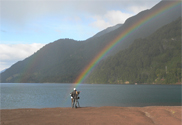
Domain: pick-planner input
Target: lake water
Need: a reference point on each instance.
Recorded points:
(37, 95)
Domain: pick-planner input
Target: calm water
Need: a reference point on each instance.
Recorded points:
(18, 95)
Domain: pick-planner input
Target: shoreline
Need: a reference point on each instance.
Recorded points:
(99, 83)
(92, 107)
(149, 115)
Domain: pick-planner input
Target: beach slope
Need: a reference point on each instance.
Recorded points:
(152, 115)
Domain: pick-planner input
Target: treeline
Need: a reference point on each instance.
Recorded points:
(155, 59)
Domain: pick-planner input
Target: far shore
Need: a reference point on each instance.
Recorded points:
(150, 115)
(108, 83)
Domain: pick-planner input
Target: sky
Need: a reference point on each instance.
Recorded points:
(28, 25)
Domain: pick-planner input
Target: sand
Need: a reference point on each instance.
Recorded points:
(154, 115)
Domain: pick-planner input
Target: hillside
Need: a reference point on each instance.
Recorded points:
(154, 59)
(63, 60)
(107, 30)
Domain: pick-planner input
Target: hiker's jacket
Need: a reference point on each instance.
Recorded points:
(73, 94)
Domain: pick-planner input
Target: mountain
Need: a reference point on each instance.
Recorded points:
(144, 30)
(154, 59)
(107, 30)
(2, 70)
(64, 59)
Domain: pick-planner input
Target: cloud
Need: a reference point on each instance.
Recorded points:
(4, 31)
(25, 16)
(23, 11)
(137, 9)
(11, 53)
(100, 23)
(111, 18)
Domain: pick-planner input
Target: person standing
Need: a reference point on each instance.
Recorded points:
(73, 98)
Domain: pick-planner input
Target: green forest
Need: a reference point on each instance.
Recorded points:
(155, 59)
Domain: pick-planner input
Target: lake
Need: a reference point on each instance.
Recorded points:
(39, 95)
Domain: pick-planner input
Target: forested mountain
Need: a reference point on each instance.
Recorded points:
(107, 30)
(154, 59)
(63, 60)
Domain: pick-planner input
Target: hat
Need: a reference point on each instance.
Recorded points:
(74, 89)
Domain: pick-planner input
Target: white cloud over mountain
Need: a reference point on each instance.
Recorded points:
(110, 18)
(11, 53)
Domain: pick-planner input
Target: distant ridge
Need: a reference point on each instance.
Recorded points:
(107, 30)
(2, 71)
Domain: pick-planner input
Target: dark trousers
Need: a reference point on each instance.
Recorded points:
(75, 103)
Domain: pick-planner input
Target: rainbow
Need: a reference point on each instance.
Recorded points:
(121, 37)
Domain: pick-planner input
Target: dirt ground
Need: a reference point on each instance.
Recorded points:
(154, 115)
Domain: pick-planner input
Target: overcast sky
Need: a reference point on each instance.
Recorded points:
(27, 25)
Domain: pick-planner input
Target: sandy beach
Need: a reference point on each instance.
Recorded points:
(154, 115)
